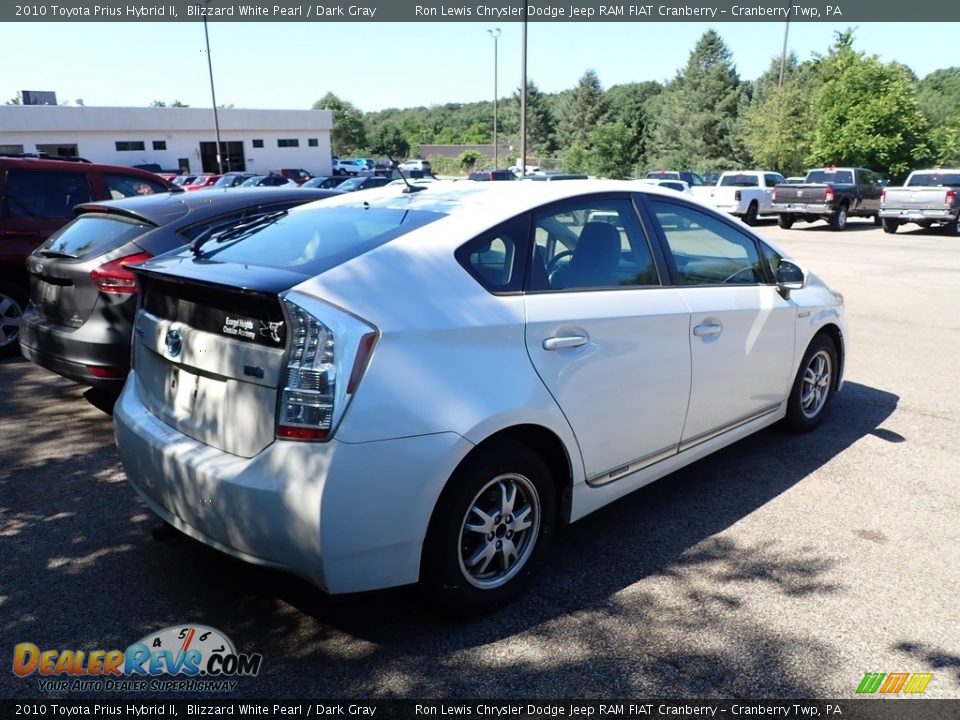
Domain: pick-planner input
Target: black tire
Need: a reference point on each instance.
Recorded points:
(890, 225)
(838, 221)
(877, 220)
(785, 220)
(751, 217)
(814, 385)
(478, 496)
(953, 227)
(13, 301)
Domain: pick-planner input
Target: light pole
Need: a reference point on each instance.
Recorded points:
(783, 53)
(523, 96)
(213, 94)
(495, 33)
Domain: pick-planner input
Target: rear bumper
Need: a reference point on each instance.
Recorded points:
(804, 209)
(72, 352)
(918, 214)
(346, 517)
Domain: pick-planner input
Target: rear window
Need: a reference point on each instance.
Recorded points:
(830, 176)
(92, 235)
(934, 180)
(739, 181)
(315, 240)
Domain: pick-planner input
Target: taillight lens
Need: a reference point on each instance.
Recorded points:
(115, 277)
(883, 196)
(736, 196)
(773, 195)
(950, 197)
(325, 363)
(828, 196)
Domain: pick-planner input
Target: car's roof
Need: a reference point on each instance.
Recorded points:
(164, 208)
(491, 201)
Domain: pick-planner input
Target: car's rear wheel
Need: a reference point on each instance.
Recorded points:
(785, 220)
(13, 300)
(953, 228)
(838, 221)
(814, 385)
(890, 225)
(751, 216)
(490, 529)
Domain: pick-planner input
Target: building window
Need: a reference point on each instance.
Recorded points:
(11, 149)
(128, 145)
(258, 143)
(313, 142)
(288, 142)
(159, 144)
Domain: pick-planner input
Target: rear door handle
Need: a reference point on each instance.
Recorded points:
(566, 341)
(708, 329)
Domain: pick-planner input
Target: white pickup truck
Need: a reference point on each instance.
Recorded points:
(745, 193)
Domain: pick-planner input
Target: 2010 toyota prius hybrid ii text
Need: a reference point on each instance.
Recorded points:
(422, 386)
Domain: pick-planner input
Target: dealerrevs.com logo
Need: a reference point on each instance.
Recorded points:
(179, 658)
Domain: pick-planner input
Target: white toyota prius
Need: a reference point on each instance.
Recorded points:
(394, 387)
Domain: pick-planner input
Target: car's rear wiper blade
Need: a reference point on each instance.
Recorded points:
(236, 231)
(57, 254)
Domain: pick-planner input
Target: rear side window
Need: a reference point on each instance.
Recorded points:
(121, 186)
(92, 235)
(314, 240)
(495, 258)
(45, 194)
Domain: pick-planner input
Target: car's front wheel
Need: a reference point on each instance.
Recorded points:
(490, 529)
(814, 385)
(12, 302)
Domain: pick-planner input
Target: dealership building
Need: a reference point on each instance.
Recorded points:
(176, 138)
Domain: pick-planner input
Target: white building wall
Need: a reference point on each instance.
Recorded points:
(96, 130)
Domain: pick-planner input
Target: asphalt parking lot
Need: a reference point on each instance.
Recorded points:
(784, 566)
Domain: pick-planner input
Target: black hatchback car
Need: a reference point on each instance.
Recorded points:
(82, 291)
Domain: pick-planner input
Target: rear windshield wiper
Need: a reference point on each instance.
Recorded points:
(236, 231)
(48, 253)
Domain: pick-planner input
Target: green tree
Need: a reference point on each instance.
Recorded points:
(349, 131)
(541, 123)
(612, 151)
(468, 159)
(586, 107)
(696, 114)
(387, 139)
(776, 130)
(866, 113)
(177, 103)
(938, 96)
(630, 106)
(158, 103)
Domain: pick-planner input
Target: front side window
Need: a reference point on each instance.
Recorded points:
(590, 243)
(705, 250)
(121, 186)
(45, 194)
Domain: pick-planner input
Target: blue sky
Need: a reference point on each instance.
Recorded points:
(289, 65)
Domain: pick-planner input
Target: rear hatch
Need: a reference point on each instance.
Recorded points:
(209, 356)
(65, 270)
(915, 198)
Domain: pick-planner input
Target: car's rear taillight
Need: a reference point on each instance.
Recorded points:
(325, 363)
(828, 195)
(116, 277)
(883, 196)
(773, 195)
(950, 197)
(736, 195)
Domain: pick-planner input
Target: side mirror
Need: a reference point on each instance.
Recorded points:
(790, 276)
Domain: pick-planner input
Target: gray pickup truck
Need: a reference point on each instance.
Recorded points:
(928, 198)
(832, 194)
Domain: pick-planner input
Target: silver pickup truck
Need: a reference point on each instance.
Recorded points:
(928, 198)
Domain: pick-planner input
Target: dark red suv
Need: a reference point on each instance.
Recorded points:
(37, 198)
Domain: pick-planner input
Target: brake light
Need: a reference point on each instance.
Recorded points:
(950, 197)
(105, 373)
(883, 196)
(828, 196)
(316, 383)
(116, 277)
(736, 195)
(773, 195)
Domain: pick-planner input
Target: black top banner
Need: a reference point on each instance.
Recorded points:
(872, 709)
(720, 11)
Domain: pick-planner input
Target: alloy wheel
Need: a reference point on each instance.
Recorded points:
(817, 378)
